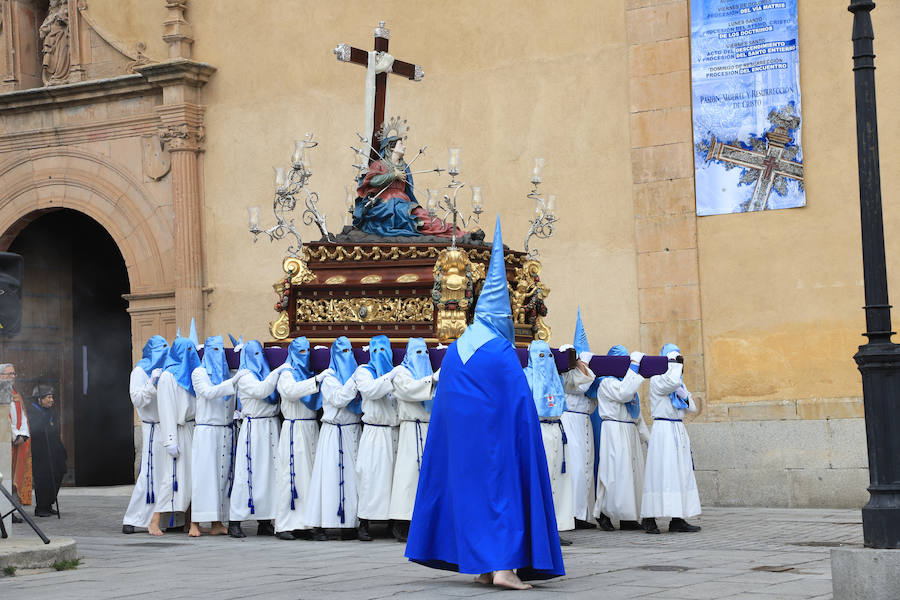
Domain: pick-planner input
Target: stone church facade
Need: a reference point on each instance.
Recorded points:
(160, 120)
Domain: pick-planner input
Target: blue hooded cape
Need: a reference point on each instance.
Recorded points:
(214, 361)
(298, 358)
(381, 356)
(253, 359)
(484, 501)
(343, 363)
(182, 361)
(156, 351)
(581, 345)
(633, 407)
(418, 363)
(677, 402)
(544, 380)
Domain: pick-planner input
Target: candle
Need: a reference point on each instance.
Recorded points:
(432, 205)
(453, 164)
(537, 171)
(280, 178)
(551, 204)
(298, 153)
(254, 217)
(476, 198)
(538, 208)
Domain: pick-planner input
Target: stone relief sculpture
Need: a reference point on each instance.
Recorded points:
(54, 34)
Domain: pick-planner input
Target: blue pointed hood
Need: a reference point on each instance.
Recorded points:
(418, 363)
(543, 378)
(182, 361)
(381, 356)
(253, 359)
(155, 353)
(214, 359)
(581, 341)
(298, 358)
(193, 334)
(343, 363)
(493, 315)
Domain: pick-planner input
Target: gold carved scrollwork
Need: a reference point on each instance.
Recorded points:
(298, 270)
(357, 253)
(527, 299)
(364, 310)
(281, 327)
(455, 277)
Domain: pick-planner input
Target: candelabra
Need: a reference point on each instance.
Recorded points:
(542, 225)
(448, 202)
(289, 185)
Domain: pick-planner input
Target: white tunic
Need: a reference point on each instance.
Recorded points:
(143, 498)
(253, 492)
(409, 393)
(377, 445)
(176, 424)
(296, 451)
(580, 435)
(620, 473)
(670, 489)
(212, 453)
(332, 487)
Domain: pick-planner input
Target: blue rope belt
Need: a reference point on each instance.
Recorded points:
(669, 420)
(175, 482)
(577, 412)
(618, 421)
(294, 494)
(420, 444)
(376, 425)
(249, 466)
(340, 426)
(151, 495)
(565, 440)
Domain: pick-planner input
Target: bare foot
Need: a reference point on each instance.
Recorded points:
(194, 531)
(485, 578)
(153, 528)
(509, 580)
(218, 529)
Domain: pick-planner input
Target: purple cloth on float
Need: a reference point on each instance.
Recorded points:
(601, 365)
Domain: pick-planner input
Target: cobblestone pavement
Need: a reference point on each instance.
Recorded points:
(741, 554)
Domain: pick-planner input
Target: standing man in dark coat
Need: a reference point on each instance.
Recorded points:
(48, 453)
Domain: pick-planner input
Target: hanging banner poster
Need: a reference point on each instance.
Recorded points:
(745, 77)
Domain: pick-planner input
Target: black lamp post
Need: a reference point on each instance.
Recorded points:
(879, 358)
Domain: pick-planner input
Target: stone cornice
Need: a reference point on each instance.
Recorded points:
(149, 80)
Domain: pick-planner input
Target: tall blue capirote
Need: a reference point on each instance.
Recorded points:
(418, 363)
(155, 353)
(677, 402)
(193, 334)
(343, 363)
(182, 361)
(298, 358)
(493, 316)
(581, 341)
(544, 380)
(253, 359)
(381, 356)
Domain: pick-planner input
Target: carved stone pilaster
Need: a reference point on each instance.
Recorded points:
(177, 31)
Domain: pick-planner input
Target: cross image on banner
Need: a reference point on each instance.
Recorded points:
(745, 83)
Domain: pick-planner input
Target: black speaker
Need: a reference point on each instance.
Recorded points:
(12, 272)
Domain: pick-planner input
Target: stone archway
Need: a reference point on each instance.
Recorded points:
(140, 224)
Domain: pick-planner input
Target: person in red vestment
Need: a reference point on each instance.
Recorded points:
(21, 438)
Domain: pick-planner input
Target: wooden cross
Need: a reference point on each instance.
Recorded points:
(769, 165)
(346, 53)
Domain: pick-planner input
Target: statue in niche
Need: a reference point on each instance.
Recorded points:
(54, 34)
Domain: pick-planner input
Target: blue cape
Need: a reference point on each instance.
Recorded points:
(182, 361)
(418, 363)
(343, 363)
(677, 402)
(381, 357)
(544, 380)
(214, 361)
(156, 351)
(253, 359)
(298, 358)
(484, 501)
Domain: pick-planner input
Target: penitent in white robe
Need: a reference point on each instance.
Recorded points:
(332, 486)
(580, 436)
(670, 489)
(377, 445)
(212, 453)
(176, 424)
(296, 451)
(620, 474)
(143, 498)
(410, 394)
(253, 492)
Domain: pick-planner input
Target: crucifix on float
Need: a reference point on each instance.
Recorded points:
(378, 64)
